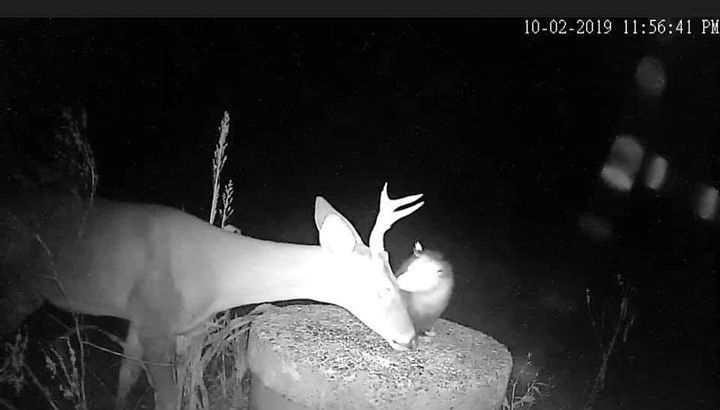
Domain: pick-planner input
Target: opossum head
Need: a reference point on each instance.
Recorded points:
(425, 271)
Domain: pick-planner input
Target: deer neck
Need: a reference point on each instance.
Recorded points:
(248, 271)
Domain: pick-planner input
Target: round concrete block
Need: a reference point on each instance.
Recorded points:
(322, 357)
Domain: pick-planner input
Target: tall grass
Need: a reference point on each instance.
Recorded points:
(215, 354)
(73, 170)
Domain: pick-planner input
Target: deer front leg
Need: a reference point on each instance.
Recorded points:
(131, 365)
(158, 353)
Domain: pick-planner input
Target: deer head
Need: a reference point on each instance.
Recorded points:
(370, 290)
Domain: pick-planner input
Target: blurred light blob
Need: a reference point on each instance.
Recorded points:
(656, 173)
(599, 229)
(623, 164)
(651, 77)
(707, 203)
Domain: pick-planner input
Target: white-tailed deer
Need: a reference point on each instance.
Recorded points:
(166, 272)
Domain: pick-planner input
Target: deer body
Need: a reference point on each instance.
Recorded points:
(151, 257)
(166, 272)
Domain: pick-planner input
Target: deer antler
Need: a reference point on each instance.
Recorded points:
(388, 215)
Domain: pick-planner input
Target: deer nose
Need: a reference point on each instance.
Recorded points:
(411, 345)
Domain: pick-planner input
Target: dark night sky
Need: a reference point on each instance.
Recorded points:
(484, 119)
(505, 133)
(492, 124)
(339, 96)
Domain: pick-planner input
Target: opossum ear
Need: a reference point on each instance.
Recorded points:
(417, 250)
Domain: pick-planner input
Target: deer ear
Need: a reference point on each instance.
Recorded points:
(336, 233)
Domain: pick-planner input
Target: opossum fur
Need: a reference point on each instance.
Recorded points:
(426, 283)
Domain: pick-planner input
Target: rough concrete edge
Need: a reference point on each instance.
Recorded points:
(307, 382)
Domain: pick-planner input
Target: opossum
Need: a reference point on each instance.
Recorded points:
(426, 283)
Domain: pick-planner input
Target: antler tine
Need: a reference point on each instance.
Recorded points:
(388, 215)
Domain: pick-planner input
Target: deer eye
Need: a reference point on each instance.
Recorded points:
(384, 292)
